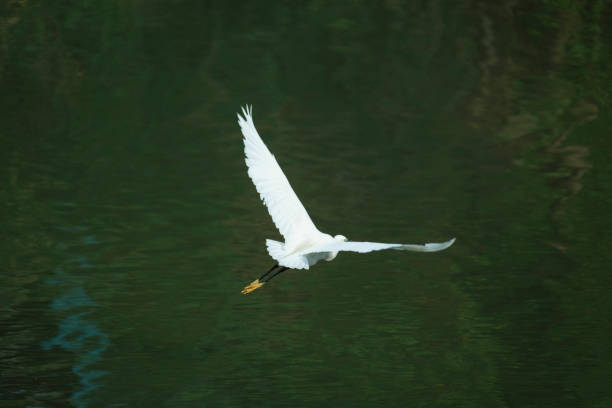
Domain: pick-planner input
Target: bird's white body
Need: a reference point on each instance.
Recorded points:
(304, 244)
(299, 256)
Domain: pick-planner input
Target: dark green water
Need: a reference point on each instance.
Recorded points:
(128, 225)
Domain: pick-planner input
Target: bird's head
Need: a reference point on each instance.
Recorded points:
(341, 238)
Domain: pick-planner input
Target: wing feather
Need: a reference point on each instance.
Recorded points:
(363, 247)
(286, 210)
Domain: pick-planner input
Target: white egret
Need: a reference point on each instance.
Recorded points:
(304, 244)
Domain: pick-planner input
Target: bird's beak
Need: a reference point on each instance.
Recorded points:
(256, 284)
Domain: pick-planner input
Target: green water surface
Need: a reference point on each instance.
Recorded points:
(128, 225)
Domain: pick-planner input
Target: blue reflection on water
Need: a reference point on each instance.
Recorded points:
(75, 332)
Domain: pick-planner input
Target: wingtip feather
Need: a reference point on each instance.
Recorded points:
(435, 246)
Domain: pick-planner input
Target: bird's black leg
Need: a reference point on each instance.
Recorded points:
(283, 269)
(270, 270)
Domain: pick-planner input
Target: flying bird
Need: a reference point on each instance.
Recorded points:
(304, 244)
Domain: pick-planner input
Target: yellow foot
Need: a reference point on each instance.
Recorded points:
(256, 284)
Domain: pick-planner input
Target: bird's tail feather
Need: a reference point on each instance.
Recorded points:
(275, 249)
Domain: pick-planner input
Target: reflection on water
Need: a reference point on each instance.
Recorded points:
(129, 224)
(76, 333)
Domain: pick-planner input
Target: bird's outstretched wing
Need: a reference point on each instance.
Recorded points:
(286, 210)
(364, 247)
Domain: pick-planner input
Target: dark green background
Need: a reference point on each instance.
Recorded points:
(128, 225)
